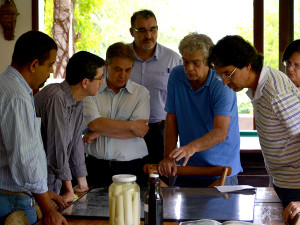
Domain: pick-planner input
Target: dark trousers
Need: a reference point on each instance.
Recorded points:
(100, 171)
(155, 142)
(287, 195)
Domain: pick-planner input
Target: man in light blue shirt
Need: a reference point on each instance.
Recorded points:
(117, 120)
(203, 112)
(23, 166)
(152, 69)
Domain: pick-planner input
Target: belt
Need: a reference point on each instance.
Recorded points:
(157, 124)
(113, 162)
(14, 193)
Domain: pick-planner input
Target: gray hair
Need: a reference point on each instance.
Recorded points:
(194, 42)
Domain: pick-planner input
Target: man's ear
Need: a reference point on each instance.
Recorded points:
(249, 67)
(131, 31)
(34, 65)
(84, 83)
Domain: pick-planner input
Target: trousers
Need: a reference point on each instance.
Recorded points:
(10, 203)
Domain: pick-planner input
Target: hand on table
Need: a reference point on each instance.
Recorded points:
(68, 196)
(167, 167)
(82, 185)
(58, 199)
(291, 211)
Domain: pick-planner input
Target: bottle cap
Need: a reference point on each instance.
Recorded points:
(153, 175)
(124, 178)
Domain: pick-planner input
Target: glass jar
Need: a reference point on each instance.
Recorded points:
(124, 200)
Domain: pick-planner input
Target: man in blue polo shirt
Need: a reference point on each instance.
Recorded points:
(203, 112)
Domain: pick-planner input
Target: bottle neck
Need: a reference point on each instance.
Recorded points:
(154, 185)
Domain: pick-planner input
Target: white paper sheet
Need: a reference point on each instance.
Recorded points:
(226, 189)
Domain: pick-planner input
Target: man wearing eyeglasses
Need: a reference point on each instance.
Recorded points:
(291, 61)
(60, 107)
(116, 120)
(276, 102)
(152, 69)
(204, 113)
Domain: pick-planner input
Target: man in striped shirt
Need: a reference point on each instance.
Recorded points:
(23, 165)
(60, 108)
(276, 102)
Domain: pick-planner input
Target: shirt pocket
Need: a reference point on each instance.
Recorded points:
(160, 80)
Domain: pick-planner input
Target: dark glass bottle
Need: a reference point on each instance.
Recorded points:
(153, 208)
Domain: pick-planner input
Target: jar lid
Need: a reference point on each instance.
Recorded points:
(124, 178)
(153, 175)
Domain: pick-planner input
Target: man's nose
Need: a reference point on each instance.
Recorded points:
(148, 34)
(190, 66)
(122, 74)
(289, 68)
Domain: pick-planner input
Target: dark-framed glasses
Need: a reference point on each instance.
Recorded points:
(287, 64)
(99, 78)
(195, 63)
(226, 76)
(152, 30)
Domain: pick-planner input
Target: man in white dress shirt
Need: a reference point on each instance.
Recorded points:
(116, 121)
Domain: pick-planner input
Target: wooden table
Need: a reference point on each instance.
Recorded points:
(267, 211)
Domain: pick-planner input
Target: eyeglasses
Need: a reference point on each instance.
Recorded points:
(100, 78)
(152, 30)
(287, 64)
(195, 63)
(226, 76)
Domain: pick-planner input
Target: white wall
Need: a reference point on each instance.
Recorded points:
(23, 24)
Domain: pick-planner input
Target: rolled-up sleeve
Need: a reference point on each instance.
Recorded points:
(142, 109)
(90, 111)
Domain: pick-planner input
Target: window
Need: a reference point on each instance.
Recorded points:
(271, 30)
(110, 23)
(296, 19)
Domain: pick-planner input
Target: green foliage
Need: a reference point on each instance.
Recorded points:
(243, 102)
(271, 47)
(103, 22)
(48, 17)
(297, 19)
(271, 24)
(87, 29)
(114, 22)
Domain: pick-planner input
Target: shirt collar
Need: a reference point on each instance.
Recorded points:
(15, 73)
(206, 83)
(209, 78)
(256, 94)
(156, 55)
(127, 87)
(68, 94)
